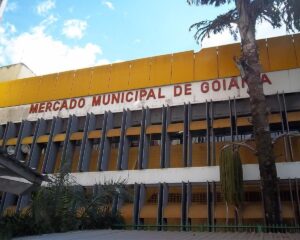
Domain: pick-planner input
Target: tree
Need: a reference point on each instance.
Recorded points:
(242, 19)
(63, 205)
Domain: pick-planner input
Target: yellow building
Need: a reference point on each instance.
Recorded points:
(159, 123)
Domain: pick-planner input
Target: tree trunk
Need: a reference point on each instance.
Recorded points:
(252, 71)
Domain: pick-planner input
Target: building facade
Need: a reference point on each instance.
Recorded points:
(159, 123)
(15, 71)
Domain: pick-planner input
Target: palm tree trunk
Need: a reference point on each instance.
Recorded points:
(252, 71)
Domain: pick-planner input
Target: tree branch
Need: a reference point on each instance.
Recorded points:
(216, 3)
(290, 13)
(218, 25)
(268, 10)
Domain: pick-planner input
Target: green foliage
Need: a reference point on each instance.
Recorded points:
(17, 225)
(276, 12)
(53, 206)
(216, 3)
(291, 14)
(64, 206)
(231, 176)
(222, 22)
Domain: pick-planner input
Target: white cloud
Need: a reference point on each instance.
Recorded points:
(45, 6)
(102, 62)
(118, 61)
(263, 30)
(74, 28)
(11, 7)
(44, 54)
(108, 4)
(48, 21)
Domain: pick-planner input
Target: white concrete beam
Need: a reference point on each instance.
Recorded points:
(178, 175)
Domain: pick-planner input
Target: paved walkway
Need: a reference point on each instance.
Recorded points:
(150, 235)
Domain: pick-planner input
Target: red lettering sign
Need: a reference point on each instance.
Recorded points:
(177, 90)
(33, 108)
(188, 89)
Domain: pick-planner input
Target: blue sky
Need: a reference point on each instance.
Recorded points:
(57, 35)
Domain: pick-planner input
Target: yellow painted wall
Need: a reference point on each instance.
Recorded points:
(263, 55)
(160, 70)
(197, 211)
(172, 211)
(58, 161)
(139, 75)
(199, 154)
(182, 67)
(16, 90)
(41, 163)
(48, 87)
(64, 85)
(150, 221)
(176, 153)
(112, 164)
(154, 157)
(93, 160)
(4, 94)
(100, 80)
(206, 64)
(133, 158)
(119, 77)
(282, 53)
(33, 86)
(279, 53)
(75, 159)
(127, 212)
(82, 81)
(149, 211)
(226, 64)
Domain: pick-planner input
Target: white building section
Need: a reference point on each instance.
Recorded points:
(15, 71)
(287, 170)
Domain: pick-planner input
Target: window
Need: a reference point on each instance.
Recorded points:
(199, 197)
(134, 143)
(176, 138)
(175, 142)
(114, 142)
(285, 195)
(155, 140)
(33, 126)
(174, 197)
(153, 198)
(219, 197)
(48, 126)
(64, 124)
(96, 144)
(81, 123)
(252, 196)
(77, 143)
